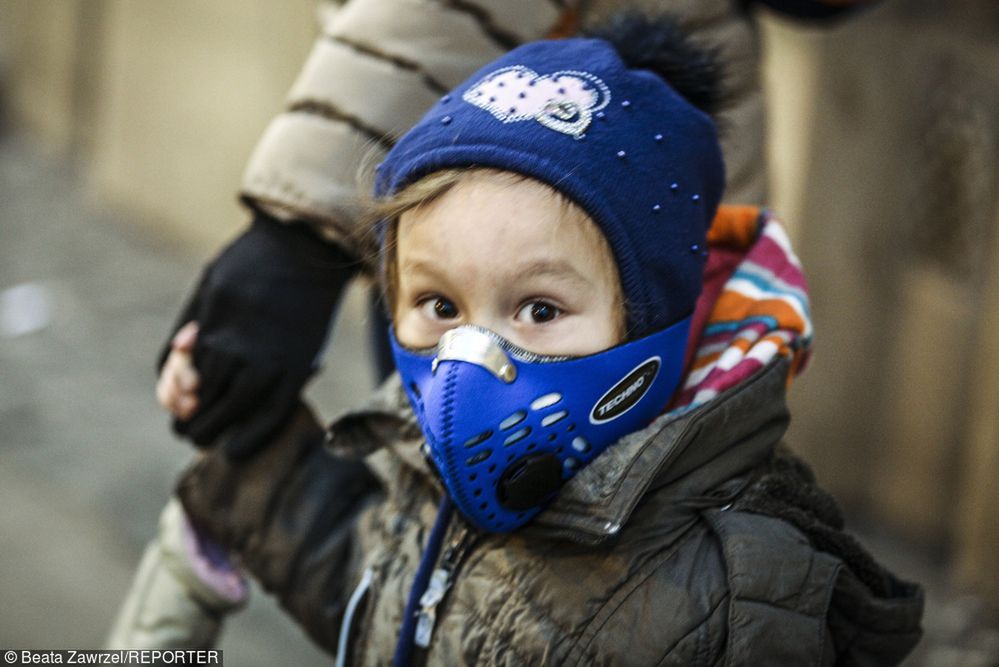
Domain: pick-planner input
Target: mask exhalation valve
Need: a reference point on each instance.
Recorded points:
(529, 482)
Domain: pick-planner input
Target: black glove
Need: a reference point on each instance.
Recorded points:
(264, 307)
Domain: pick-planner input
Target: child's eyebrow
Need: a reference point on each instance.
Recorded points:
(419, 266)
(532, 269)
(541, 268)
(553, 269)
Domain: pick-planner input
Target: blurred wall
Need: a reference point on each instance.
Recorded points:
(884, 135)
(161, 102)
(38, 44)
(895, 187)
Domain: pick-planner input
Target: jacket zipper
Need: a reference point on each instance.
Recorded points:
(348, 615)
(440, 583)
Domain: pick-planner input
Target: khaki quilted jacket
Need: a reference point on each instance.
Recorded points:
(649, 556)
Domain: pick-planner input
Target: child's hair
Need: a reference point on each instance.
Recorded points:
(388, 211)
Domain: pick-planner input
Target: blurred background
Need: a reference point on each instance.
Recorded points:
(125, 126)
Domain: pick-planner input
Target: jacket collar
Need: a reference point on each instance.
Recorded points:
(735, 431)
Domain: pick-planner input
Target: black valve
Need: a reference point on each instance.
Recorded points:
(530, 481)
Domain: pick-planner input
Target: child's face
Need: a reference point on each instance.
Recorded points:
(506, 254)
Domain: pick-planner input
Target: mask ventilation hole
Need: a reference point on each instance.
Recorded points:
(570, 465)
(479, 439)
(546, 401)
(513, 420)
(479, 458)
(554, 417)
(580, 445)
(551, 437)
(517, 436)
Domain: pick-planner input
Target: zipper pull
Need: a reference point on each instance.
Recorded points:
(440, 582)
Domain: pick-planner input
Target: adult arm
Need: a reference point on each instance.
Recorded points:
(374, 70)
(265, 304)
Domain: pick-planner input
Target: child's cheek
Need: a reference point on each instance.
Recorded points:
(412, 329)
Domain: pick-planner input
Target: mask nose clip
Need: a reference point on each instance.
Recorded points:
(475, 346)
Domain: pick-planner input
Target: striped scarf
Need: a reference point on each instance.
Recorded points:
(753, 307)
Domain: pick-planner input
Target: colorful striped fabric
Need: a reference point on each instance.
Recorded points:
(754, 306)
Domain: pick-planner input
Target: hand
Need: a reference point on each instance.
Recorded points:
(176, 389)
(263, 309)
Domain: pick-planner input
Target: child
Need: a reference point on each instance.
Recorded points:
(578, 461)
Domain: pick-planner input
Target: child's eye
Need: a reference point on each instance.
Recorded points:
(539, 312)
(439, 308)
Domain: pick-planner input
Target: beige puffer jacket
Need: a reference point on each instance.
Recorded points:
(379, 64)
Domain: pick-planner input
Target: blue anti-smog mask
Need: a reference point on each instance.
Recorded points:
(505, 428)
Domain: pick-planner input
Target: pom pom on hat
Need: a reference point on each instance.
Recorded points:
(661, 46)
(616, 139)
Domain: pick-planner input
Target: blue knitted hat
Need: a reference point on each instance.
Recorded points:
(642, 162)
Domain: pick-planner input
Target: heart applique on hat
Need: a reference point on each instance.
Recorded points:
(564, 101)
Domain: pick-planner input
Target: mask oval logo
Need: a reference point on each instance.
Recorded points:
(625, 394)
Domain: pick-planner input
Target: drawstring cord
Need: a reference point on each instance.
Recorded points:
(404, 648)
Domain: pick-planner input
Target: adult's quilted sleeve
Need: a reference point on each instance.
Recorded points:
(374, 70)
